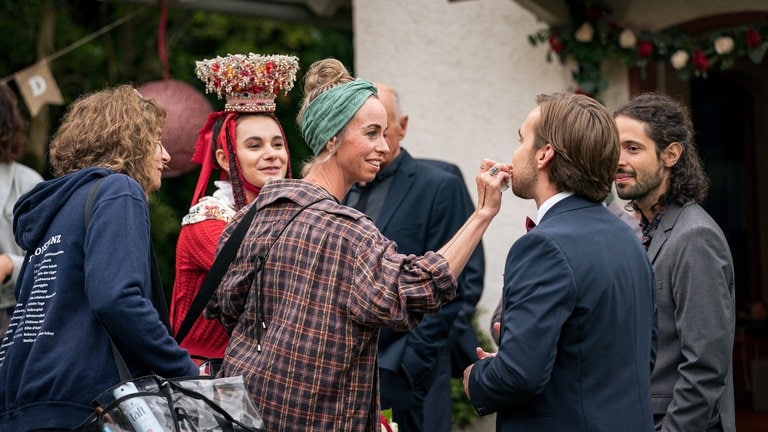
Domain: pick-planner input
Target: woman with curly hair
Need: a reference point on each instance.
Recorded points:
(88, 271)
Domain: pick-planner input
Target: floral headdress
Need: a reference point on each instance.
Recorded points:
(250, 84)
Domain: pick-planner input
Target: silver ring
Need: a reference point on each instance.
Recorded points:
(493, 171)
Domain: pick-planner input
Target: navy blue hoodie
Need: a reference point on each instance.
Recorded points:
(56, 357)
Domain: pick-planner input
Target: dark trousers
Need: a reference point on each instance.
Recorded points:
(437, 405)
(407, 403)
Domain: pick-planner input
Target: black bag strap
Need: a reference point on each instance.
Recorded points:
(158, 294)
(122, 368)
(214, 275)
(225, 256)
(89, 201)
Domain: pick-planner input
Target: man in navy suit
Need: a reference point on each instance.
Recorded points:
(578, 317)
(420, 204)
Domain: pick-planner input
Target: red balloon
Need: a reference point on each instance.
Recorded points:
(188, 110)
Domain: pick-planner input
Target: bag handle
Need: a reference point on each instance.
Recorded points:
(165, 387)
(225, 256)
(213, 405)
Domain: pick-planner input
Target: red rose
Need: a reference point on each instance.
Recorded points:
(645, 48)
(555, 43)
(700, 60)
(580, 91)
(593, 13)
(753, 38)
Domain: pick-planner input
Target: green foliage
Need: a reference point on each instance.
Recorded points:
(165, 229)
(591, 36)
(462, 411)
(128, 54)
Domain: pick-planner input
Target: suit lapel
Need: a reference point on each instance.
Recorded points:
(668, 220)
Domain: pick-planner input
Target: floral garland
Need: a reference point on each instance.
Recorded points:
(592, 36)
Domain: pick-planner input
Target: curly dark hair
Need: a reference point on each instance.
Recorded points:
(13, 127)
(668, 121)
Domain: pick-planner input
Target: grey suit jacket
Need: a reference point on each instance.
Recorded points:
(692, 381)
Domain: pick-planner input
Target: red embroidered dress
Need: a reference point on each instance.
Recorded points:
(195, 252)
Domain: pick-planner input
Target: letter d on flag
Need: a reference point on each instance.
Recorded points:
(38, 87)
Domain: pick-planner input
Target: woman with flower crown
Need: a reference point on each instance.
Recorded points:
(304, 330)
(247, 144)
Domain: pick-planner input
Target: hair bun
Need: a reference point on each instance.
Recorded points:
(324, 75)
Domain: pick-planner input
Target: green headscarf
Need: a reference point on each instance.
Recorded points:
(332, 110)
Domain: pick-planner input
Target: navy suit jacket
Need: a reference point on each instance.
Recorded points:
(577, 328)
(423, 209)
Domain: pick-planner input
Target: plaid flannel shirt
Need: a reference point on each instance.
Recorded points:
(331, 281)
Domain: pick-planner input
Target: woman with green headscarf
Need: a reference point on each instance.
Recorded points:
(304, 330)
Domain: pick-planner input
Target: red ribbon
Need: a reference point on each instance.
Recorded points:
(161, 51)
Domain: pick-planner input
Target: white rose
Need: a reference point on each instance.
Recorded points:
(627, 39)
(679, 59)
(723, 45)
(584, 33)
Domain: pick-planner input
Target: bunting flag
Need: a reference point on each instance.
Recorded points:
(36, 83)
(38, 87)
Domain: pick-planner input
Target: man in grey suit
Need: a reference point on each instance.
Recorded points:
(660, 172)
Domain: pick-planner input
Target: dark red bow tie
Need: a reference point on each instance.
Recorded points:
(529, 224)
